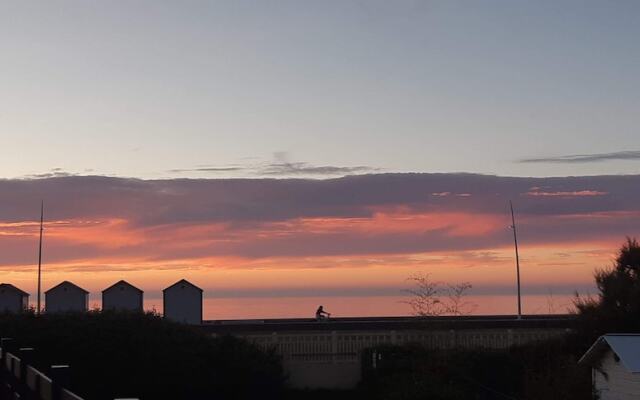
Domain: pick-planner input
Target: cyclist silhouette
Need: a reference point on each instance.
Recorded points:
(321, 314)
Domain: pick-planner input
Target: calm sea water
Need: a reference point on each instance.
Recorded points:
(304, 307)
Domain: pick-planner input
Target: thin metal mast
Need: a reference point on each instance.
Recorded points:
(40, 255)
(515, 241)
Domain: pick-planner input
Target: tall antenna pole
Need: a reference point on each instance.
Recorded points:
(40, 256)
(515, 241)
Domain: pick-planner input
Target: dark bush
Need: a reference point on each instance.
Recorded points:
(544, 370)
(114, 354)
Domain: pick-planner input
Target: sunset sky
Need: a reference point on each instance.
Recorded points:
(283, 154)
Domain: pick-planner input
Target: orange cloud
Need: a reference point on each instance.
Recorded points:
(361, 235)
(108, 234)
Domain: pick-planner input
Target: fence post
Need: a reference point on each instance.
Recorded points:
(334, 347)
(8, 378)
(26, 355)
(8, 345)
(59, 375)
(5, 344)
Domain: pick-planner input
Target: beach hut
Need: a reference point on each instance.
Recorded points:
(183, 302)
(66, 296)
(122, 296)
(615, 366)
(13, 299)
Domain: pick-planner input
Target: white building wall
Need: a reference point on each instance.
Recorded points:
(183, 303)
(122, 297)
(72, 299)
(619, 383)
(323, 359)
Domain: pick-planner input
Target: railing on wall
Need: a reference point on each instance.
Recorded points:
(337, 346)
(20, 380)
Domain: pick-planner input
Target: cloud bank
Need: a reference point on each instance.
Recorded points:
(280, 166)
(355, 215)
(586, 158)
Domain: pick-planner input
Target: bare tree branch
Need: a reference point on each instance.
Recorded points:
(433, 298)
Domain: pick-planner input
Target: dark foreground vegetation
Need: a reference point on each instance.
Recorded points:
(547, 370)
(141, 355)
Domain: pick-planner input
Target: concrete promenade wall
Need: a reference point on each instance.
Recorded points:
(328, 354)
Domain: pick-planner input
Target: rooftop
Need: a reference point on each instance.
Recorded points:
(625, 345)
(68, 284)
(8, 286)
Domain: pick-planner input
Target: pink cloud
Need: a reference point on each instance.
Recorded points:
(390, 214)
(581, 193)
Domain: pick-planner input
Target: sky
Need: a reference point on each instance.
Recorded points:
(327, 150)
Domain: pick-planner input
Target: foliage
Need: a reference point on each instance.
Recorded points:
(413, 372)
(116, 354)
(432, 298)
(543, 370)
(617, 306)
(551, 370)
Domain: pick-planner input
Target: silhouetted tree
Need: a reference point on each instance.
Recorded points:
(617, 306)
(433, 298)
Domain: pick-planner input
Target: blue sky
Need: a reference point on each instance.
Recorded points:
(158, 89)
